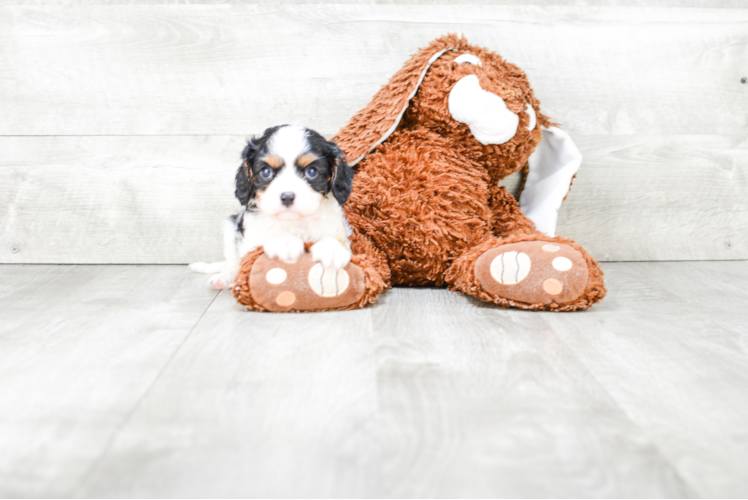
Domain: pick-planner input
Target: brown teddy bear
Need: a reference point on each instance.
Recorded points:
(426, 208)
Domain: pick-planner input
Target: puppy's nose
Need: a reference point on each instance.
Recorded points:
(287, 198)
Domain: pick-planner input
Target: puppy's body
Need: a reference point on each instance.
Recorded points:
(292, 184)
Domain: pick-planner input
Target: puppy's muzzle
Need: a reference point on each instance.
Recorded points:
(287, 198)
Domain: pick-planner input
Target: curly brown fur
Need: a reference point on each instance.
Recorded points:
(430, 192)
(368, 126)
(421, 203)
(241, 288)
(428, 109)
(506, 216)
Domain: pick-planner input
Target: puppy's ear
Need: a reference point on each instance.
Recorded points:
(342, 174)
(244, 187)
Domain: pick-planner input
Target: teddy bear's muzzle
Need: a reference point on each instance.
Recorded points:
(485, 113)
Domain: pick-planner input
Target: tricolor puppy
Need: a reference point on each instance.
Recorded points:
(292, 184)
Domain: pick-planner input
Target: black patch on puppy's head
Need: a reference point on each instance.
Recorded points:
(332, 171)
(246, 184)
(338, 175)
(342, 177)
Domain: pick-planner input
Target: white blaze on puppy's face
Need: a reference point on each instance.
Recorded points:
(288, 144)
(490, 121)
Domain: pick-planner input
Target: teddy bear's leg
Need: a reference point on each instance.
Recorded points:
(529, 271)
(265, 284)
(506, 216)
(375, 266)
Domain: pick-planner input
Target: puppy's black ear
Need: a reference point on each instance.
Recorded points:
(342, 174)
(244, 186)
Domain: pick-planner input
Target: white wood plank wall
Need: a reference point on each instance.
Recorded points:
(121, 122)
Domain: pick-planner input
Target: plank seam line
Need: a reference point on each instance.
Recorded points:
(107, 446)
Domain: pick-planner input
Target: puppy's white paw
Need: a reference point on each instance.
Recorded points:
(286, 248)
(207, 267)
(331, 253)
(221, 281)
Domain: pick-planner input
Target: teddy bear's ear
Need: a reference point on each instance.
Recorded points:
(551, 168)
(375, 123)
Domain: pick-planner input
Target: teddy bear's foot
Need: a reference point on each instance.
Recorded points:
(304, 285)
(533, 272)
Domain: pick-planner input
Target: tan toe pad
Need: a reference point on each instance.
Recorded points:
(534, 272)
(304, 285)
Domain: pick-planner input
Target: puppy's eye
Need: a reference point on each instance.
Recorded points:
(311, 172)
(266, 172)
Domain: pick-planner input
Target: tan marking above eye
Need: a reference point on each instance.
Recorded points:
(306, 159)
(273, 161)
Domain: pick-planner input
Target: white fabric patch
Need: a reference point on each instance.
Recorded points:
(486, 114)
(468, 58)
(328, 282)
(561, 264)
(533, 117)
(276, 276)
(552, 166)
(511, 267)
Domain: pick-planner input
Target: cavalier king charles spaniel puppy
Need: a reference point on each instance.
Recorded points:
(292, 185)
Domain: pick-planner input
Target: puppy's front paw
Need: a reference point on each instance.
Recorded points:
(331, 253)
(199, 267)
(286, 248)
(221, 281)
(207, 268)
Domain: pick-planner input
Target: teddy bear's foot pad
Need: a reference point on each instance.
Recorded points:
(304, 285)
(533, 272)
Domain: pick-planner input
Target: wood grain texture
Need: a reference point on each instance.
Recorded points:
(660, 198)
(426, 394)
(256, 405)
(116, 199)
(162, 199)
(481, 402)
(675, 359)
(235, 69)
(79, 347)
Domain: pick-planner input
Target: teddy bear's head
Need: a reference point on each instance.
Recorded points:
(482, 103)
(463, 92)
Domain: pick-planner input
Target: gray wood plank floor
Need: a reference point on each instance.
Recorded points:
(138, 381)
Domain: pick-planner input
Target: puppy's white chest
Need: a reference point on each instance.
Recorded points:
(328, 221)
